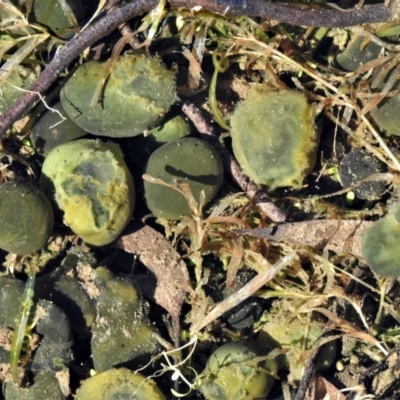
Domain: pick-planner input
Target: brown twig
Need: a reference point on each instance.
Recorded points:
(279, 11)
(260, 8)
(206, 131)
(310, 369)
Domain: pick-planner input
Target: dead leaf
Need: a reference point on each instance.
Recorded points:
(157, 254)
(63, 378)
(340, 236)
(235, 262)
(326, 391)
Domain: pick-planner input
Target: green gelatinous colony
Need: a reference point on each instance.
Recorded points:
(139, 148)
(92, 186)
(54, 352)
(170, 130)
(380, 244)
(116, 384)
(249, 310)
(189, 160)
(51, 130)
(58, 17)
(26, 218)
(358, 165)
(19, 77)
(296, 335)
(45, 387)
(273, 137)
(122, 333)
(358, 52)
(136, 96)
(232, 374)
(69, 294)
(11, 292)
(386, 113)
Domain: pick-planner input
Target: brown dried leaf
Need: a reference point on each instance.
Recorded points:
(340, 236)
(157, 254)
(326, 390)
(63, 378)
(236, 260)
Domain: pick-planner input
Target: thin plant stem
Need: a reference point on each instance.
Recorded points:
(20, 327)
(245, 292)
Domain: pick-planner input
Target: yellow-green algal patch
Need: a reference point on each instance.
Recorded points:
(136, 96)
(274, 138)
(92, 186)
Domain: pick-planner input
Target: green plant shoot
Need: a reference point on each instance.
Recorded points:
(20, 327)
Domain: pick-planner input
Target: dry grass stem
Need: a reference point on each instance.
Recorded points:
(245, 292)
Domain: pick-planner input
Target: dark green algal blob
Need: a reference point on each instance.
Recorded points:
(19, 77)
(357, 53)
(358, 165)
(119, 384)
(92, 186)
(60, 21)
(248, 311)
(380, 244)
(53, 353)
(68, 293)
(26, 218)
(138, 93)
(11, 292)
(139, 148)
(190, 160)
(51, 130)
(122, 333)
(232, 374)
(170, 130)
(296, 336)
(45, 387)
(273, 137)
(386, 113)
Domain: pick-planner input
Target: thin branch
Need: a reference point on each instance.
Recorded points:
(260, 8)
(279, 11)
